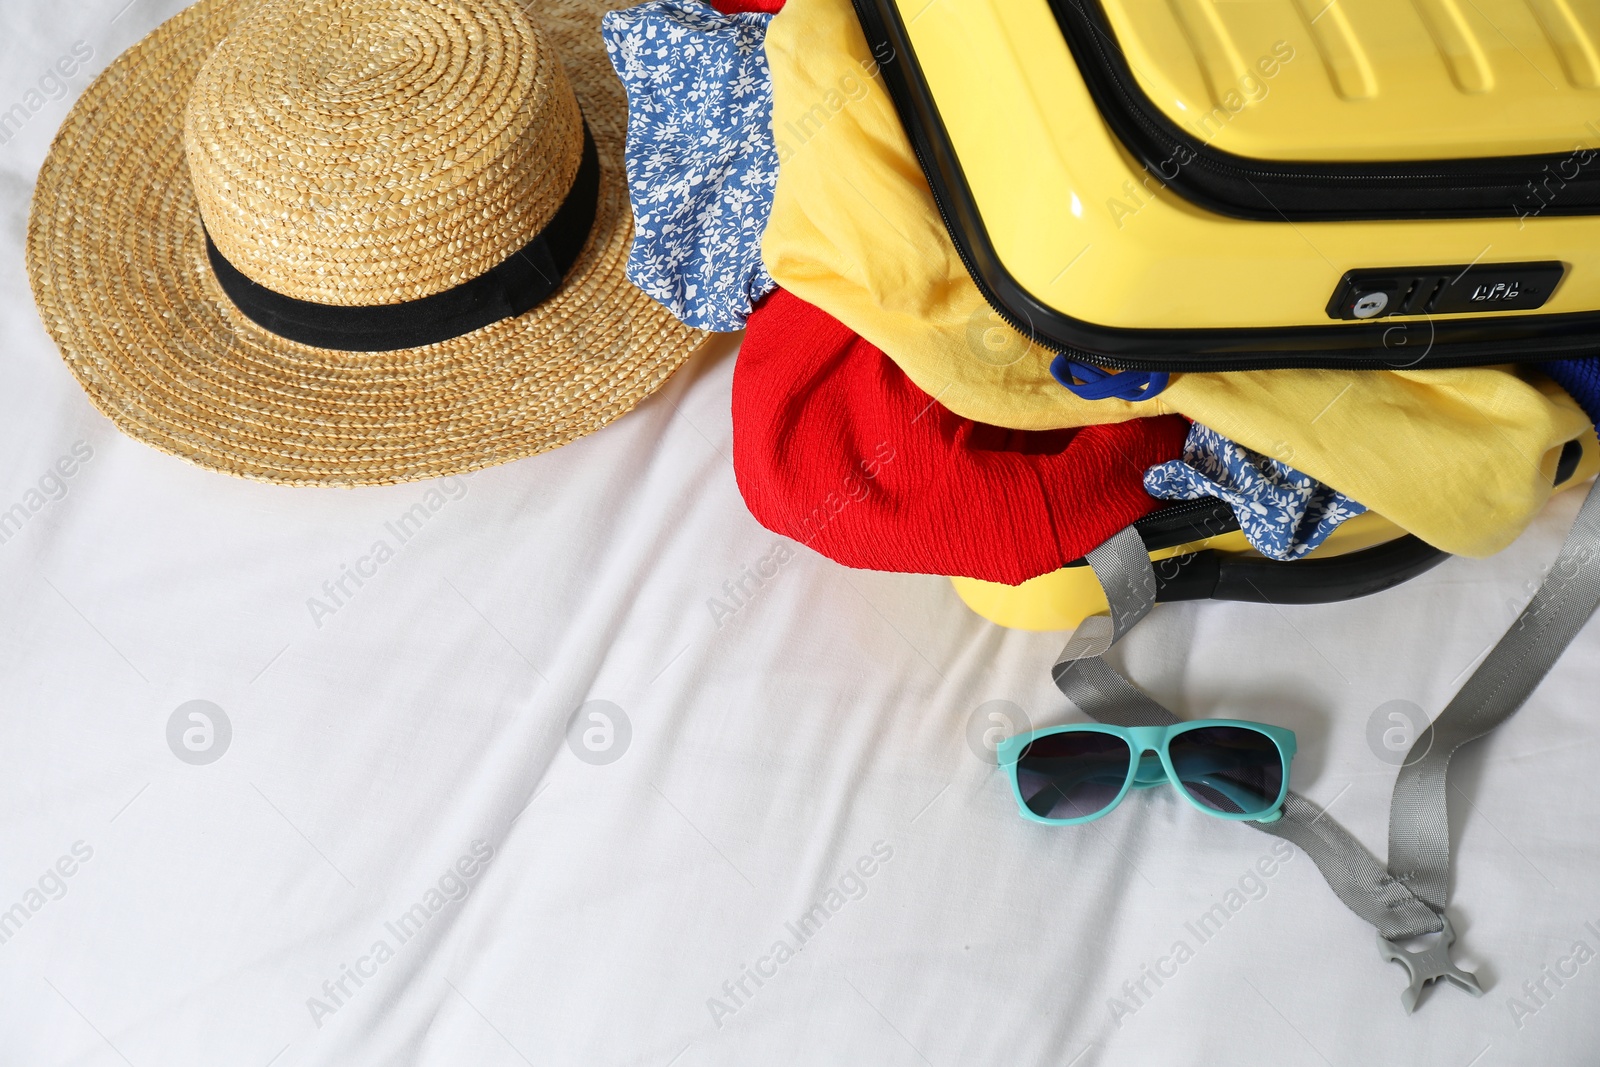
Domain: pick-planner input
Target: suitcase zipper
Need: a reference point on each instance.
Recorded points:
(1180, 523)
(1137, 110)
(1465, 344)
(1455, 191)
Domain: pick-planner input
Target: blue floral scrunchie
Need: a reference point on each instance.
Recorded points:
(1283, 513)
(701, 160)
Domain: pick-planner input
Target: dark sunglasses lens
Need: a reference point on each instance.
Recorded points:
(1072, 775)
(1228, 768)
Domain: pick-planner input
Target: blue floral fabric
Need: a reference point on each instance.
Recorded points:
(1284, 514)
(701, 160)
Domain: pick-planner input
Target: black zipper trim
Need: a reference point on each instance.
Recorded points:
(1385, 344)
(1268, 190)
(1196, 520)
(1186, 521)
(1179, 524)
(1208, 574)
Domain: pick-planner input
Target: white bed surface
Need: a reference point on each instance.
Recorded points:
(420, 720)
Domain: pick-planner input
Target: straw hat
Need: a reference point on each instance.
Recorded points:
(351, 242)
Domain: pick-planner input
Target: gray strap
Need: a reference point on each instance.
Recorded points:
(1400, 905)
(1419, 818)
(1353, 873)
(1123, 566)
(1105, 695)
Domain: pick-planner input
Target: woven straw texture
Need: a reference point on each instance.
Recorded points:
(354, 152)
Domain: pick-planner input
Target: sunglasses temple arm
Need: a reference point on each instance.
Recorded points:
(1240, 796)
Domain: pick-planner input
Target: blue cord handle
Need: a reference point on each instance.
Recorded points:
(1092, 383)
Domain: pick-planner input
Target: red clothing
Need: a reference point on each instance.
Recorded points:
(733, 7)
(834, 447)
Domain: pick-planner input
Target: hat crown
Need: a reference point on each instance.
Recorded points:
(371, 152)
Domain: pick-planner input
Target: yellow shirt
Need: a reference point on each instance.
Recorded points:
(1461, 458)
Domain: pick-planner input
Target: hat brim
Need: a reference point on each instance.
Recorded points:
(117, 260)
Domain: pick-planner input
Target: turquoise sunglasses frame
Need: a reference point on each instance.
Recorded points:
(1142, 740)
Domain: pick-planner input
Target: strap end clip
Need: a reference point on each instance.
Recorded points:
(1424, 965)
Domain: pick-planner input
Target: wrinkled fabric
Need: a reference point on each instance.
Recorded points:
(834, 447)
(1283, 513)
(700, 158)
(1463, 458)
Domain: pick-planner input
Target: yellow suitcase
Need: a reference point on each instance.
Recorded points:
(1171, 185)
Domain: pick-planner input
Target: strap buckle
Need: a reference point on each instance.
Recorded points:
(1427, 964)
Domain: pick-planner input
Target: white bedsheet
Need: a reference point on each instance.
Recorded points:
(812, 729)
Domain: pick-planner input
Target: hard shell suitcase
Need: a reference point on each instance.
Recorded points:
(1198, 185)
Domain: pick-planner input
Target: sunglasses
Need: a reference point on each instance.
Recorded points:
(1228, 768)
